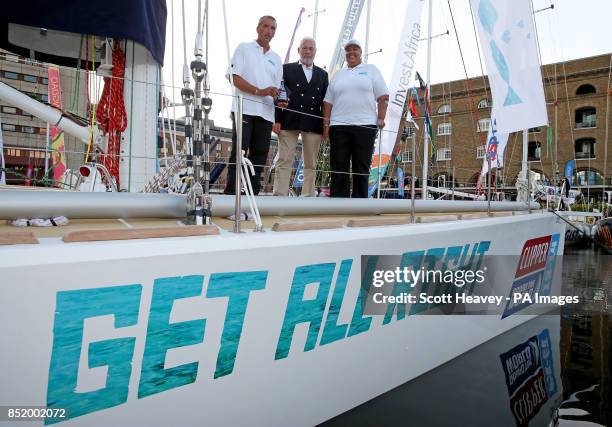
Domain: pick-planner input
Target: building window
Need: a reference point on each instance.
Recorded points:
(407, 157)
(443, 154)
(442, 180)
(45, 81)
(535, 130)
(27, 129)
(483, 103)
(585, 89)
(585, 148)
(30, 79)
(533, 150)
(7, 127)
(445, 128)
(484, 125)
(45, 98)
(10, 75)
(9, 110)
(586, 117)
(407, 133)
(444, 109)
(589, 177)
(480, 151)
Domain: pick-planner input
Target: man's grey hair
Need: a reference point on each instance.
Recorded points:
(264, 18)
(308, 39)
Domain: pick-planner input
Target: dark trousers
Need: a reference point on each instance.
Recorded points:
(350, 144)
(256, 133)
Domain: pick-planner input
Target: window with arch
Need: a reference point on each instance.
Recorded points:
(586, 117)
(589, 177)
(584, 148)
(534, 150)
(585, 89)
(483, 103)
(444, 109)
(445, 129)
(484, 125)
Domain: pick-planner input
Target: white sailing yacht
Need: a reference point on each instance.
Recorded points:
(126, 316)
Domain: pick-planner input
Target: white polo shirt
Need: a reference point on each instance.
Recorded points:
(353, 93)
(261, 70)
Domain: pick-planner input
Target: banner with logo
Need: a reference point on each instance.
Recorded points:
(2, 164)
(400, 88)
(349, 25)
(58, 158)
(508, 41)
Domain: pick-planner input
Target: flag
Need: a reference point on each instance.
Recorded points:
(422, 84)
(399, 90)
(297, 24)
(496, 145)
(508, 40)
(569, 169)
(2, 164)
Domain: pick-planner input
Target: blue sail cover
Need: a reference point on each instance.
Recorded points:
(143, 21)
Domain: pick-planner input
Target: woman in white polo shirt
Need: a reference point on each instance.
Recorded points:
(354, 107)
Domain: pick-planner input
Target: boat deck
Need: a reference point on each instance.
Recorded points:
(120, 229)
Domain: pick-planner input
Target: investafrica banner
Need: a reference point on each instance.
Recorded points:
(508, 41)
(400, 86)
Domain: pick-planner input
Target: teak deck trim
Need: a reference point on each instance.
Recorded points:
(374, 222)
(18, 238)
(139, 233)
(313, 225)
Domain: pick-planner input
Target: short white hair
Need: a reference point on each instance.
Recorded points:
(308, 39)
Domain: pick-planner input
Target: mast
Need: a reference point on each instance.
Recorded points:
(367, 36)
(426, 134)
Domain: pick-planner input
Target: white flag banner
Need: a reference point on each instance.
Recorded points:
(349, 25)
(508, 41)
(2, 174)
(496, 145)
(400, 87)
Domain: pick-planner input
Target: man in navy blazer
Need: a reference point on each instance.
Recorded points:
(306, 85)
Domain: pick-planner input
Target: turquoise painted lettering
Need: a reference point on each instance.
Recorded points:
(332, 331)
(412, 261)
(432, 257)
(163, 336)
(237, 288)
(305, 311)
(359, 322)
(72, 308)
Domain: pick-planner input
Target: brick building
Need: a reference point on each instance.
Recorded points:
(578, 98)
(25, 136)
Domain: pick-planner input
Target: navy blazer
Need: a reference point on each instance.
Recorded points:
(306, 97)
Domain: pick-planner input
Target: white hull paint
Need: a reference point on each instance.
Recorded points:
(40, 309)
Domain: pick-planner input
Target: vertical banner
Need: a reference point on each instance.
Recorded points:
(400, 87)
(569, 169)
(496, 145)
(299, 175)
(2, 164)
(58, 158)
(508, 41)
(349, 25)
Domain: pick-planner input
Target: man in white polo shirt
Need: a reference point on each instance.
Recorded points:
(354, 107)
(257, 72)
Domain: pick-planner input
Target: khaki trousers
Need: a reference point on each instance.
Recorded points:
(287, 143)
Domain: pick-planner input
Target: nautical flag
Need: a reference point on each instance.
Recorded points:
(297, 24)
(400, 182)
(2, 164)
(399, 89)
(422, 84)
(508, 40)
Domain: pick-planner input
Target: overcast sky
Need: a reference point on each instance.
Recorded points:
(573, 29)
